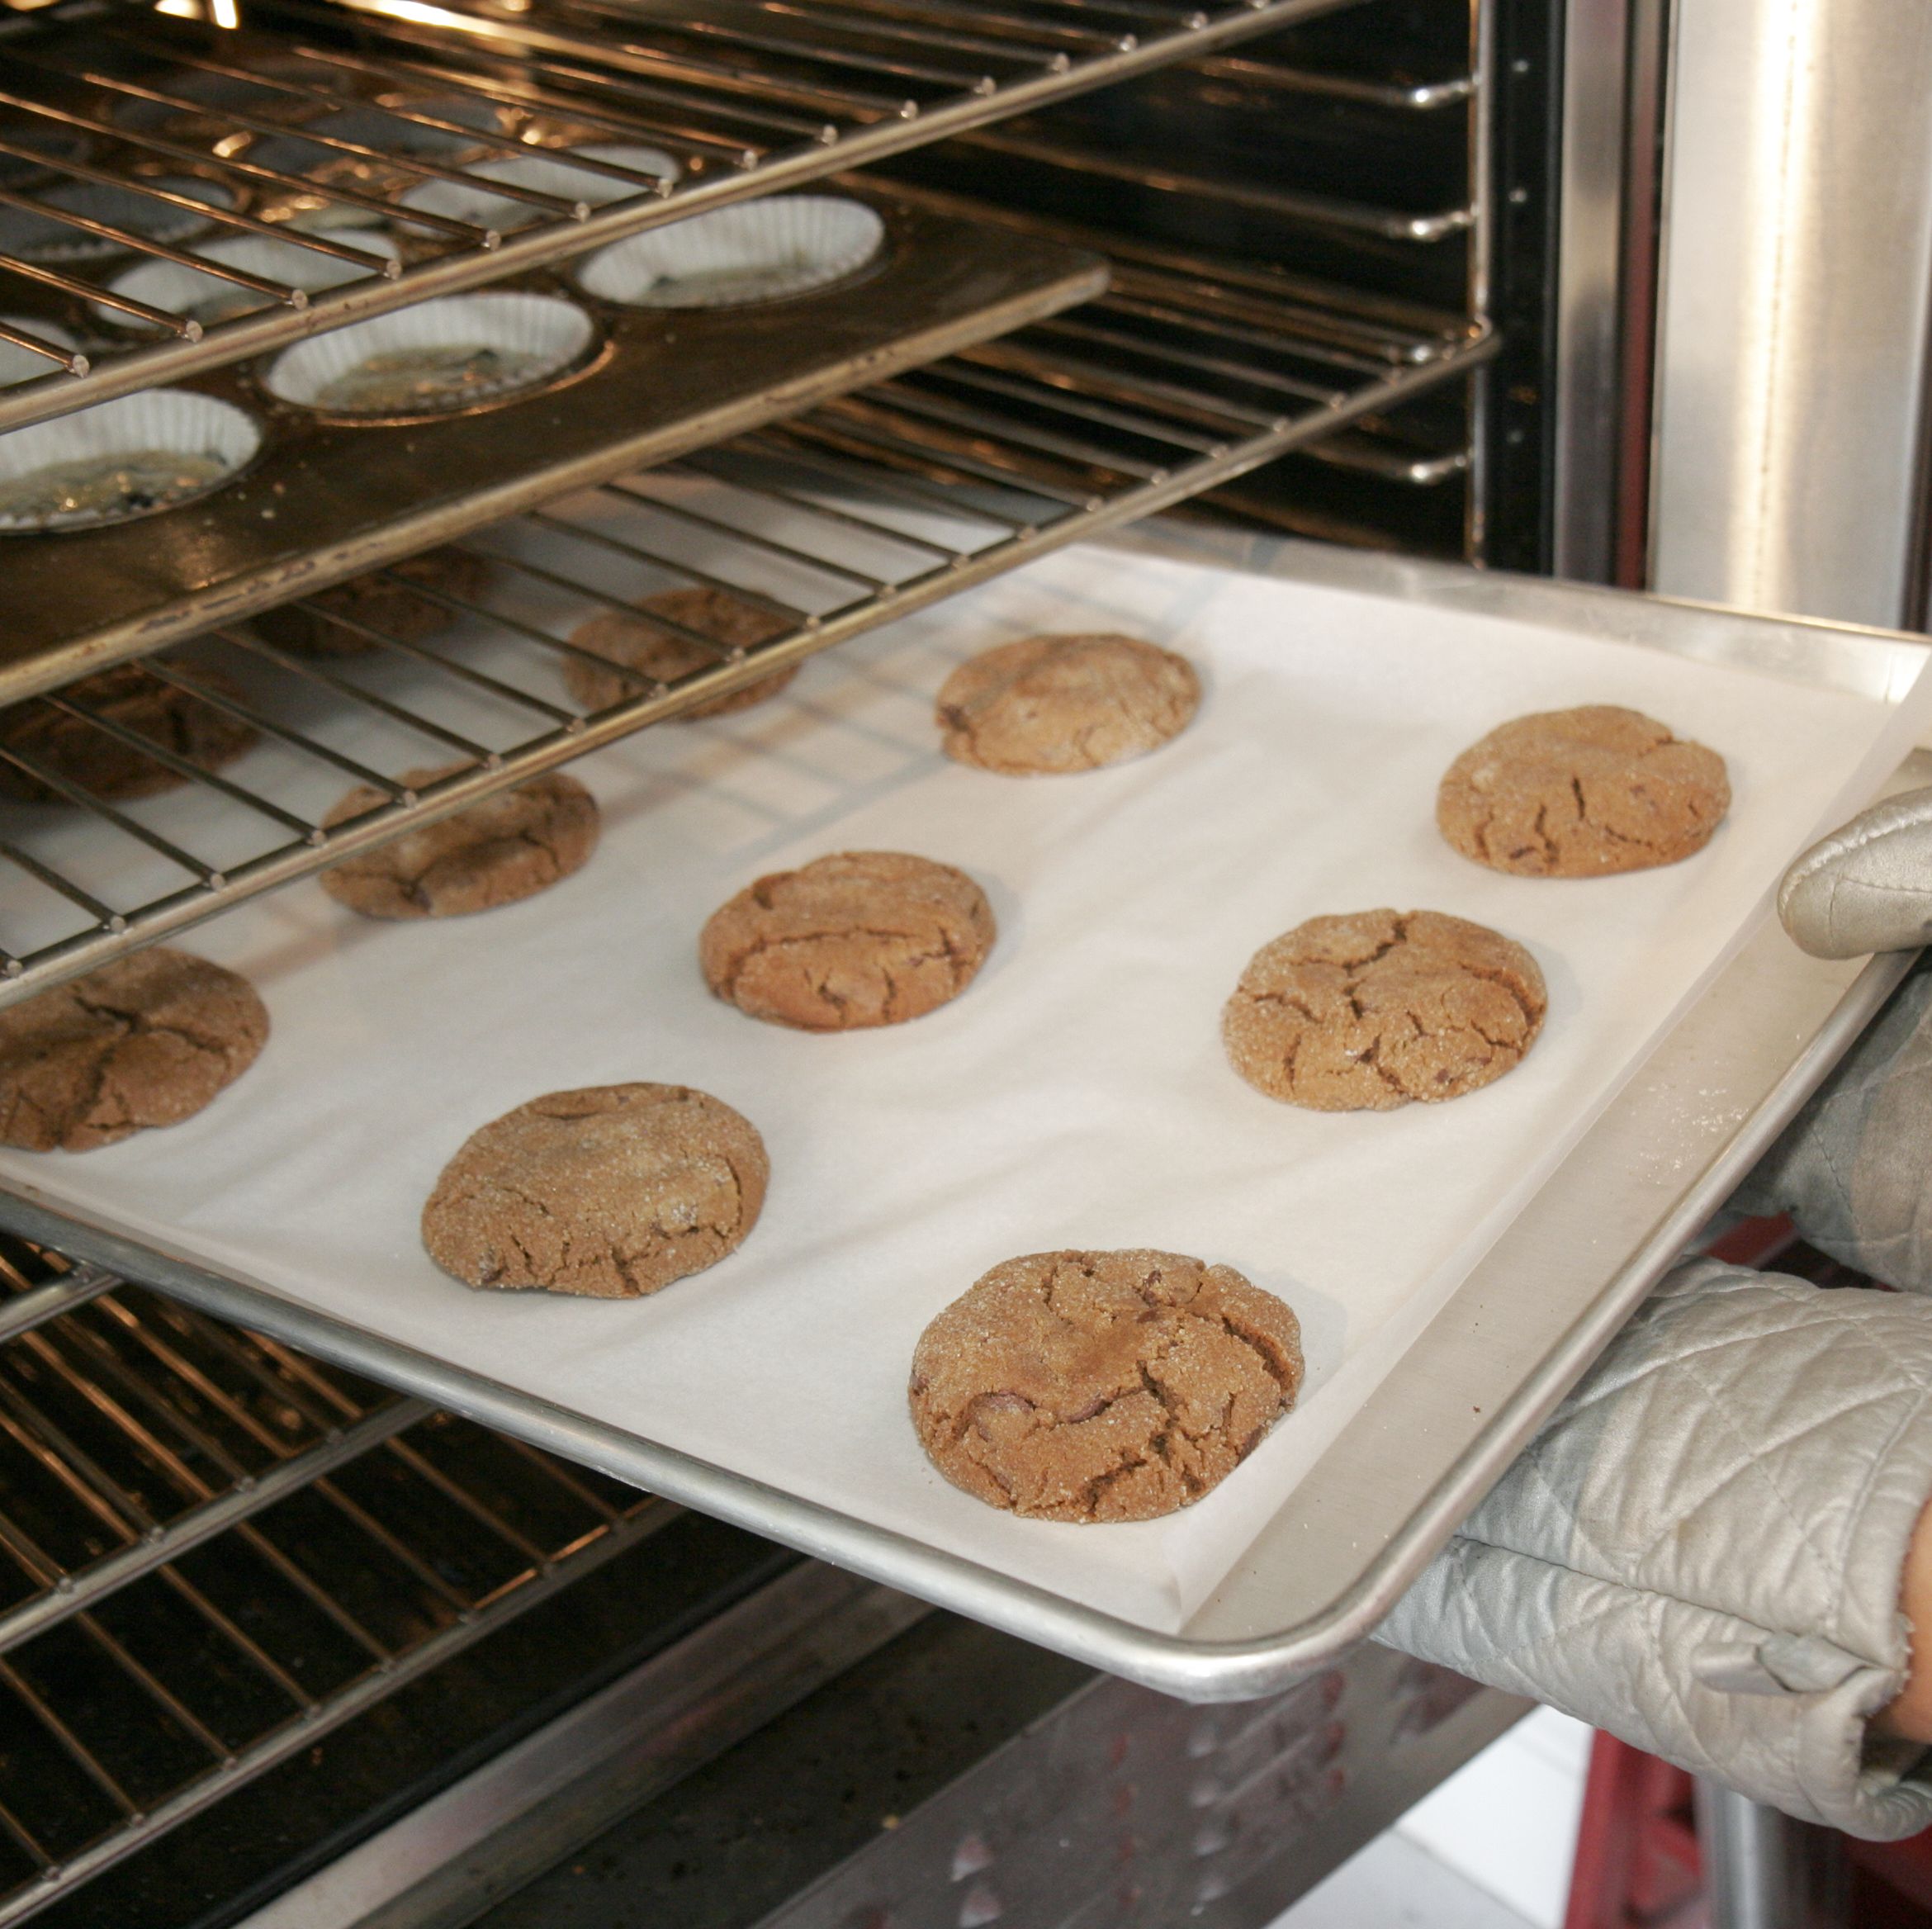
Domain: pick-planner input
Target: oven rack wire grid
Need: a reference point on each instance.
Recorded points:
(135, 134)
(214, 1550)
(864, 509)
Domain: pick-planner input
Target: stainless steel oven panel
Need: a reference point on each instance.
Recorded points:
(1793, 318)
(1484, 1375)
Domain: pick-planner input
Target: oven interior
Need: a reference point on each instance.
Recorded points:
(261, 1612)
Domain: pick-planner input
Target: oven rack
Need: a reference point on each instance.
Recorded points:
(134, 1431)
(743, 96)
(874, 505)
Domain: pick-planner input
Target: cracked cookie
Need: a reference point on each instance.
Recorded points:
(1582, 794)
(1094, 1386)
(148, 1040)
(86, 755)
(1047, 705)
(860, 938)
(508, 846)
(1370, 1011)
(664, 656)
(611, 1191)
(380, 602)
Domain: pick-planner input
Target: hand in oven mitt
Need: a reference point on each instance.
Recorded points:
(1712, 1549)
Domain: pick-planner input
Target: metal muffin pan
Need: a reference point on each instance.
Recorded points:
(327, 500)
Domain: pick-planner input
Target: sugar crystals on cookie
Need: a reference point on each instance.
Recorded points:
(1103, 1386)
(1051, 704)
(1582, 794)
(1378, 1009)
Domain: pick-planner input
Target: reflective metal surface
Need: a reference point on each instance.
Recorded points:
(1762, 1870)
(1793, 336)
(538, 1801)
(1526, 1323)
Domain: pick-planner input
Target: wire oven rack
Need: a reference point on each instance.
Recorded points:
(868, 508)
(301, 119)
(365, 1538)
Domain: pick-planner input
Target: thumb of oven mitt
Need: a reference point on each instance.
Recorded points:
(1701, 1550)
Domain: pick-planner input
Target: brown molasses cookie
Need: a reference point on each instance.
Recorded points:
(664, 656)
(1367, 1012)
(865, 937)
(1046, 705)
(508, 846)
(97, 762)
(1102, 1385)
(611, 1191)
(146, 1040)
(1580, 794)
(380, 602)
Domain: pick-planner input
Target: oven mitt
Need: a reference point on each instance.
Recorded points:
(1854, 1167)
(1867, 886)
(1701, 1550)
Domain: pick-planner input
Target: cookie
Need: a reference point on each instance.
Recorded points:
(389, 607)
(1102, 1385)
(612, 1192)
(1581, 793)
(664, 656)
(1047, 705)
(1373, 1009)
(508, 846)
(148, 1040)
(865, 937)
(101, 763)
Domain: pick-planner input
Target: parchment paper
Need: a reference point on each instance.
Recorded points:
(1075, 1096)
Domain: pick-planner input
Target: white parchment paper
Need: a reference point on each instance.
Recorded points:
(1077, 1096)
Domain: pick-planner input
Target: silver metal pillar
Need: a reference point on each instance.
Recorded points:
(1762, 1870)
(1792, 332)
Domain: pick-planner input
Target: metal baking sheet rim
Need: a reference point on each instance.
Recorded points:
(1194, 1667)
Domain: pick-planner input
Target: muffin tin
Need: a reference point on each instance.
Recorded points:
(330, 496)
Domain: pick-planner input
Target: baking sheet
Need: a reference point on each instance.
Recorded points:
(1077, 1096)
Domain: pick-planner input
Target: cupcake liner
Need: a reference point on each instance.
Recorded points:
(166, 284)
(754, 251)
(552, 332)
(172, 420)
(546, 174)
(33, 236)
(18, 364)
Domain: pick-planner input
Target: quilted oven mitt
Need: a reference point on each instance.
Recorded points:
(1701, 1550)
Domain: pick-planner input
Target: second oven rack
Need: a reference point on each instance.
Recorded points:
(867, 509)
(135, 1432)
(742, 97)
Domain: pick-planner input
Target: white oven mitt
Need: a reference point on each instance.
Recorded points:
(1867, 886)
(1854, 1167)
(1701, 1550)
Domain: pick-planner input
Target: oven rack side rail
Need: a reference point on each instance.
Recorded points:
(743, 102)
(135, 1432)
(868, 509)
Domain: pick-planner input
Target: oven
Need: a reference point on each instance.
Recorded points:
(280, 1644)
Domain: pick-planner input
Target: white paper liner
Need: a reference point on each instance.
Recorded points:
(18, 364)
(163, 418)
(555, 331)
(546, 174)
(37, 237)
(166, 284)
(754, 251)
(1076, 1095)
